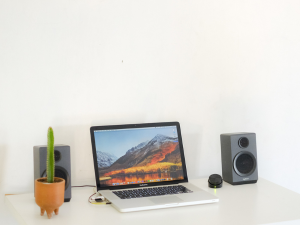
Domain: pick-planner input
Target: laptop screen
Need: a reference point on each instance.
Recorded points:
(139, 155)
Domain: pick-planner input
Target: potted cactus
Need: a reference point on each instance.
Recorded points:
(50, 190)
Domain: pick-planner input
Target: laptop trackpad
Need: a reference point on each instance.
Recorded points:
(166, 200)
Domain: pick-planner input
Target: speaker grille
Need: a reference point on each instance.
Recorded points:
(62, 173)
(244, 163)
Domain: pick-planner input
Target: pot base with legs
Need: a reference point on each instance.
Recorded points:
(49, 196)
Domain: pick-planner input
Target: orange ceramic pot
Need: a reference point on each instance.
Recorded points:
(49, 196)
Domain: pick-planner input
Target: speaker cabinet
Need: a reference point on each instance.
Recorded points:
(239, 158)
(62, 165)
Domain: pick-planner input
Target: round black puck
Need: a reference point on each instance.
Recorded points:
(215, 181)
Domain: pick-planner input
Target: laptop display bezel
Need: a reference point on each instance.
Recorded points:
(144, 125)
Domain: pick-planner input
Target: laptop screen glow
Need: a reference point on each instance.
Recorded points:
(138, 155)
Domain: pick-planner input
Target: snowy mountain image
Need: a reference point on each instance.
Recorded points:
(105, 159)
(138, 147)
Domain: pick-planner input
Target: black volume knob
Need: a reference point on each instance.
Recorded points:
(215, 181)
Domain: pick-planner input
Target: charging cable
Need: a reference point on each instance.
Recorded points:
(98, 199)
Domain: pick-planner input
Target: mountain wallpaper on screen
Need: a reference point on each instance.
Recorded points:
(105, 159)
(160, 153)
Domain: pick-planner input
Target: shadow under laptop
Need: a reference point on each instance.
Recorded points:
(174, 215)
(200, 214)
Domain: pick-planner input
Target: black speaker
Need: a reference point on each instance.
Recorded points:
(239, 158)
(62, 165)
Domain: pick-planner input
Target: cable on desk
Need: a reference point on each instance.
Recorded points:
(99, 200)
(89, 200)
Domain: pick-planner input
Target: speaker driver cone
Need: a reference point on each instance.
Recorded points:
(244, 163)
(62, 173)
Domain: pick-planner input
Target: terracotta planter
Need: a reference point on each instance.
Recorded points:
(49, 196)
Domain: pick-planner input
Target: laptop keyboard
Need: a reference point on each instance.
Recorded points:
(155, 191)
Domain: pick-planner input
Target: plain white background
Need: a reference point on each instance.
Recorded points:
(214, 66)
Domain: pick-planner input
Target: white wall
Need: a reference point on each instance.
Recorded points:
(214, 66)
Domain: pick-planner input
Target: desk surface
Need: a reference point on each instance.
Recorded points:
(260, 203)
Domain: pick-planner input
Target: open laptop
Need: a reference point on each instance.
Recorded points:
(142, 167)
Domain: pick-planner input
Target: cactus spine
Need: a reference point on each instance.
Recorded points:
(50, 156)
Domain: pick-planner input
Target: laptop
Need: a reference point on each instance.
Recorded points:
(142, 167)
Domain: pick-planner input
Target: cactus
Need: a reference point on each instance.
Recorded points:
(50, 156)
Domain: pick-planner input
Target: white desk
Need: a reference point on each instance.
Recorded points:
(260, 203)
